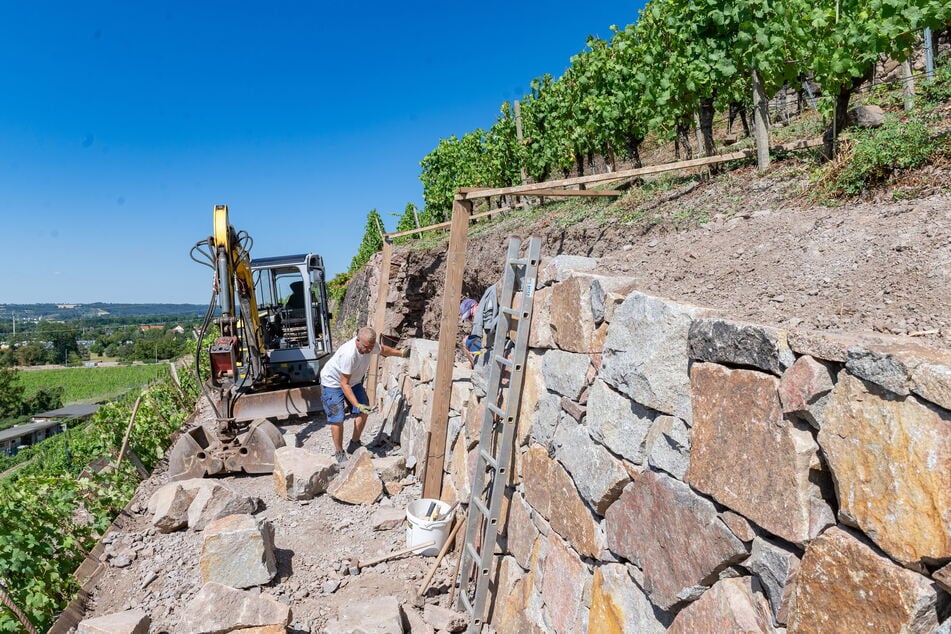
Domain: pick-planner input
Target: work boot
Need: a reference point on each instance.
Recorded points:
(341, 457)
(353, 445)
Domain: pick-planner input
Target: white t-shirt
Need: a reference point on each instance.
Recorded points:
(347, 360)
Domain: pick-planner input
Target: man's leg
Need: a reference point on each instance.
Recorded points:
(333, 401)
(360, 420)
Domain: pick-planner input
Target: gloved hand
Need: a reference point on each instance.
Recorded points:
(405, 353)
(365, 409)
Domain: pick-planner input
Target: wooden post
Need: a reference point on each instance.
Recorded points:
(518, 137)
(448, 328)
(908, 85)
(416, 218)
(929, 54)
(760, 124)
(383, 289)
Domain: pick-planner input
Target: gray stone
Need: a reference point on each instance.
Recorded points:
(445, 619)
(736, 343)
(731, 605)
(776, 568)
(617, 422)
(217, 608)
(420, 351)
(645, 353)
(881, 368)
(545, 420)
(214, 501)
(238, 551)
(558, 268)
(386, 519)
(830, 345)
(390, 468)
(599, 476)
(865, 116)
(607, 293)
(620, 605)
(668, 446)
(170, 507)
(128, 622)
(300, 474)
(564, 372)
(380, 615)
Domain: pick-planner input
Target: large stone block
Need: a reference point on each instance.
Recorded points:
(730, 605)
(546, 419)
(533, 388)
(668, 446)
(736, 343)
(775, 566)
(213, 501)
(560, 267)
(420, 404)
(520, 531)
(673, 535)
(645, 353)
(460, 389)
(598, 475)
(169, 506)
(540, 334)
(128, 622)
(831, 345)
(904, 368)
(845, 586)
(565, 582)
(803, 385)
(238, 551)
(420, 351)
(380, 615)
(565, 373)
(617, 422)
(607, 293)
(748, 457)
(552, 493)
(390, 468)
(217, 608)
(300, 474)
(572, 319)
(619, 605)
(475, 410)
(413, 441)
(891, 461)
(358, 483)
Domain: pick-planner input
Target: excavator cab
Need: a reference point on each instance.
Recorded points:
(275, 338)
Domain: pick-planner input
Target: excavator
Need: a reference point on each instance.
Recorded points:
(274, 337)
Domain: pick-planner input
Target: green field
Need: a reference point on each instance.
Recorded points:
(88, 385)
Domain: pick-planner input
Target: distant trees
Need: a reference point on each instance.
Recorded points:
(11, 393)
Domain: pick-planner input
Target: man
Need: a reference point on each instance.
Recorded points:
(341, 382)
(485, 316)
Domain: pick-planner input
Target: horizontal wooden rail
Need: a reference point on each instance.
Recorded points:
(533, 188)
(445, 225)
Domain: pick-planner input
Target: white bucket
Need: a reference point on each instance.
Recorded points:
(420, 530)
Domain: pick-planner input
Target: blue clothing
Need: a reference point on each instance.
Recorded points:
(473, 343)
(335, 403)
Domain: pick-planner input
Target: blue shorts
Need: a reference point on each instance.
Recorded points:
(473, 343)
(335, 403)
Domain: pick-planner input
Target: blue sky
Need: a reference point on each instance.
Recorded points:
(123, 123)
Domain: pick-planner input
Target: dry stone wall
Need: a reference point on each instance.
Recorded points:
(680, 471)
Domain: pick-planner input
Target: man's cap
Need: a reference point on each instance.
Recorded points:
(466, 306)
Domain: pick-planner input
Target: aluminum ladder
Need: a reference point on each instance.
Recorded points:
(498, 429)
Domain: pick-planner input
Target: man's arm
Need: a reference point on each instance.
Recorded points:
(387, 351)
(348, 391)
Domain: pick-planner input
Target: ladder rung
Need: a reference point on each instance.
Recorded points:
(489, 458)
(519, 261)
(520, 314)
(474, 555)
(495, 410)
(500, 359)
(482, 507)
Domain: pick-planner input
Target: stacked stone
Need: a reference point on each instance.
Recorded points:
(405, 400)
(677, 471)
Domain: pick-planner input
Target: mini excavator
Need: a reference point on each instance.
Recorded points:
(274, 338)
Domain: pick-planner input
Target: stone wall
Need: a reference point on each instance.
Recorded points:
(679, 471)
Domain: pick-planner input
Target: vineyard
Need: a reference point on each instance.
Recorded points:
(672, 71)
(91, 384)
(56, 507)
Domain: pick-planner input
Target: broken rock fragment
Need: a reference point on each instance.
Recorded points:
(128, 622)
(300, 474)
(358, 483)
(238, 551)
(217, 608)
(379, 616)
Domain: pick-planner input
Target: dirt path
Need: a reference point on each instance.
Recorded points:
(311, 539)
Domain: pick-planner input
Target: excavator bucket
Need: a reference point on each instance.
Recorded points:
(199, 452)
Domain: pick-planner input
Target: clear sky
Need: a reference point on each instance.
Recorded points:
(123, 123)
